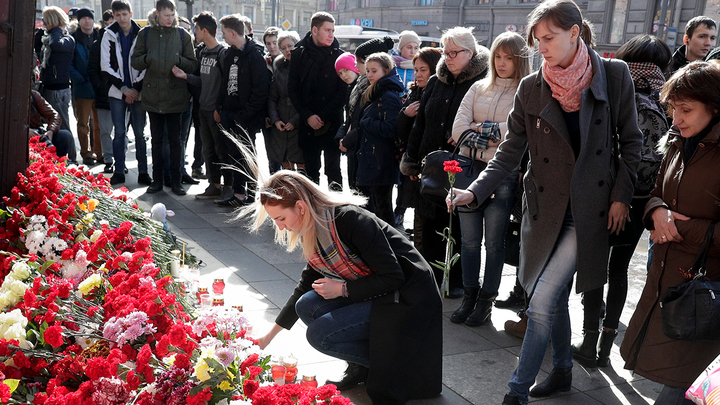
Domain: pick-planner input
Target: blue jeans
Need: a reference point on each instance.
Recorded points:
(496, 217)
(337, 327)
(548, 317)
(119, 109)
(673, 396)
(60, 102)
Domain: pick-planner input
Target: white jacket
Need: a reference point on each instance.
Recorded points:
(111, 61)
(481, 104)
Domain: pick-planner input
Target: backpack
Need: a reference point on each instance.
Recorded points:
(653, 124)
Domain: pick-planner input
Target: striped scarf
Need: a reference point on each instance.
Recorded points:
(332, 258)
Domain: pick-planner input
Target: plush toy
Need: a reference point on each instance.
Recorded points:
(160, 213)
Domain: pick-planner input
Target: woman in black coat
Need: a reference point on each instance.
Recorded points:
(366, 295)
(464, 62)
(425, 62)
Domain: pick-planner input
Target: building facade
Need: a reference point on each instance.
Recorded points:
(615, 21)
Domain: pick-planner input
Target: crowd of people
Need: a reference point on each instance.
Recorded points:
(585, 153)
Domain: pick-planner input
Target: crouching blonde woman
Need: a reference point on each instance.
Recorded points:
(360, 269)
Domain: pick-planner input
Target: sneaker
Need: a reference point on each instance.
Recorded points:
(211, 192)
(225, 194)
(233, 201)
(144, 178)
(117, 178)
(108, 168)
(198, 174)
(186, 179)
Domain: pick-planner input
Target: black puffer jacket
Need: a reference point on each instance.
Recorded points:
(439, 104)
(100, 85)
(314, 86)
(58, 52)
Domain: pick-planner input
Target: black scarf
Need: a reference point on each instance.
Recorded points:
(691, 144)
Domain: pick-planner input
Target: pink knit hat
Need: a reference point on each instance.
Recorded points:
(346, 61)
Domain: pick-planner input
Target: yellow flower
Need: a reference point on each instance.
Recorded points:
(83, 207)
(92, 204)
(225, 385)
(202, 370)
(90, 283)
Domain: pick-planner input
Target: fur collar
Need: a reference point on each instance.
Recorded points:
(478, 64)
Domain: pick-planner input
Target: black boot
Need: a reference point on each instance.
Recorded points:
(586, 353)
(606, 343)
(515, 299)
(510, 400)
(482, 311)
(468, 304)
(354, 374)
(558, 380)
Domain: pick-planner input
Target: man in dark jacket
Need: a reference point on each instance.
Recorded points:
(165, 97)
(318, 94)
(243, 103)
(207, 78)
(700, 34)
(82, 88)
(103, 118)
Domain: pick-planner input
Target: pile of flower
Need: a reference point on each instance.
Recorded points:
(90, 315)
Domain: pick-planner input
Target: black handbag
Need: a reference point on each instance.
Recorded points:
(691, 309)
(434, 182)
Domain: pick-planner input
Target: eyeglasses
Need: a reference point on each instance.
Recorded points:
(453, 54)
(287, 48)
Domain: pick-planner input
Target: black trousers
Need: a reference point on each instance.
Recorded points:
(381, 197)
(243, 181)
(158, 123)
(314, 147)
(433, 245)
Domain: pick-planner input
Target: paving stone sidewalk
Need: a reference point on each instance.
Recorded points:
(478, 362)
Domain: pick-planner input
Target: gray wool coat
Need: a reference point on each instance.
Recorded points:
(555, 179)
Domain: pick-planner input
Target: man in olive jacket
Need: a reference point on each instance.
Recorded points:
(165, 97)
(318, 94)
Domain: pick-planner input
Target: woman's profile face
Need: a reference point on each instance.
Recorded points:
(285, 218)
(556, 45)
(690, 117)
(422, 72)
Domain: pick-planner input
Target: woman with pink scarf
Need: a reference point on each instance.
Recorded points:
(577, 118)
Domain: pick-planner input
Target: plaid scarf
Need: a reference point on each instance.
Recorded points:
(646, 75)
(568, 84)
(332, 258)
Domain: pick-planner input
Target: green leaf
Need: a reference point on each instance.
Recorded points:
(46, 265)
(214, 364)
(12, 383)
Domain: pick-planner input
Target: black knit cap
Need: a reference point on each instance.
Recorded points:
(85, 12)
(367, 48)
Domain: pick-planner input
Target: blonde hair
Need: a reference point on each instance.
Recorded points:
(54, 16)
(513, 44)
(285, 188)
(386, 62)
(462, 37)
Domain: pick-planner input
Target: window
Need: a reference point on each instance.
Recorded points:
(617, 26)
(333, 6)
(529, 1)
(249, 12)
(306, 17)
(426, 2)
(267, 15)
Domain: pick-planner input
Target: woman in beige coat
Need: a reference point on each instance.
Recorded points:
(481, 120)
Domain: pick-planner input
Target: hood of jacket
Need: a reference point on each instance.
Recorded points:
(153, 20)
(280, 61)
(389, 82)
(478, 64)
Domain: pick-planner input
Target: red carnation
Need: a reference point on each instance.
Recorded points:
(452, 166)
(249, 387)
(201, 398)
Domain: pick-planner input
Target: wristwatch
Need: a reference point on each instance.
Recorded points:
(477, 126)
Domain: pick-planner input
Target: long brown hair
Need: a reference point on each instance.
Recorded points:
(511, 43)
(386, 62)
(562, 14)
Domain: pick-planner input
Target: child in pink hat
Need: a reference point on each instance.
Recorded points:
(345, 68)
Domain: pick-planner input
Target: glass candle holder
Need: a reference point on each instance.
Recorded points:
(205, 300)
(201, 291)
(238, 307)
(218, 286)
(218, 302)
(291, 370)
(278, 374)
(309, 381)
